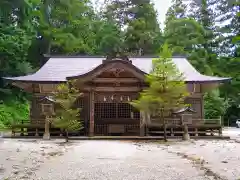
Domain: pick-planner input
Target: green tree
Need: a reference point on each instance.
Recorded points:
(185, 35)
(227, 17)
(16, 32)
(177, 10)
(167, 89)
(138, 22)
(195, 34)
(214, 105)
(108, 36)
(66, 117)
(65, 26)
(228, 62)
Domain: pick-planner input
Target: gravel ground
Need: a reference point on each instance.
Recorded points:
(20, 158)
(220, 158)
(119, 160)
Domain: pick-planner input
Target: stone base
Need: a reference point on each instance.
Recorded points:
(186, 137)
(46, 136)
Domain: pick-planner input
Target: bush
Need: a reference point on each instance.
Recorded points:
(13, 112)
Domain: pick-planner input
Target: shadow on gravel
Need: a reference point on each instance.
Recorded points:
(198, 163)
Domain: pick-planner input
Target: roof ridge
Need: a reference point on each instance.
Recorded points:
(96, 56)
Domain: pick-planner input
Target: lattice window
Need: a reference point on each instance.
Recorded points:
(105, 110)
(124, 110)
(115, 110)
(136, 113)
(79, 102)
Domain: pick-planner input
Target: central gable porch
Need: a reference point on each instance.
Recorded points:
(110, 88)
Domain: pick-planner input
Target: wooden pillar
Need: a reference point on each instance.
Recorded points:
(196, 131)
(220, 131)
(22, 130)
(13, 132)
(142, 123)
(185, 129)
(91, 122)
(46, 135)
(172, 132)
(212, 132)
(36, 132)
(148, 121)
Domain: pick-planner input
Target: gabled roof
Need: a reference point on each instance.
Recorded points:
(58, 69)
(48, 98)
(185, 109)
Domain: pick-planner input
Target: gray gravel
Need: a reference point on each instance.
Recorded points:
(118, 160)
(222, 157)
(20, 158)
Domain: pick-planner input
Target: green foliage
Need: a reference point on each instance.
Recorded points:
(31, 28)
(167, 89)
(13, 111)
(14, 44)
(138, 23)
(197, 34)
(214, 105)
(65, 25)
(67, 117)
(176, 11)
(184, 34)
(108, 37)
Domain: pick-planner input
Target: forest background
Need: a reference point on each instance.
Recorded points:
(206, 31)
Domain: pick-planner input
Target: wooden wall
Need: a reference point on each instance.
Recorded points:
(195, 99)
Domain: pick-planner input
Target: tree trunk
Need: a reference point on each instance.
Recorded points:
(165, 131)
(186, 136)
(164, 126)
(46, 135)
(66, 137)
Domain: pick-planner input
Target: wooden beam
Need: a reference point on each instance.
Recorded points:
(113, 80)
(25, 86)
(114, 89)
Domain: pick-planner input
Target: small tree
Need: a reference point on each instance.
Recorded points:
(166, 91)
(67, 117)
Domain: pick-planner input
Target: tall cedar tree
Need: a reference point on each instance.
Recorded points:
(67, 117)
(64, 25)
(230, 26)
(138, 22)
(185, 35)
(229, 11)
(167, 89)
(176, 11)
(194, 34)
(206, 15)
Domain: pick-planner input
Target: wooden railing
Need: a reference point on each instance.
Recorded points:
(194, 121)
(213, 121)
